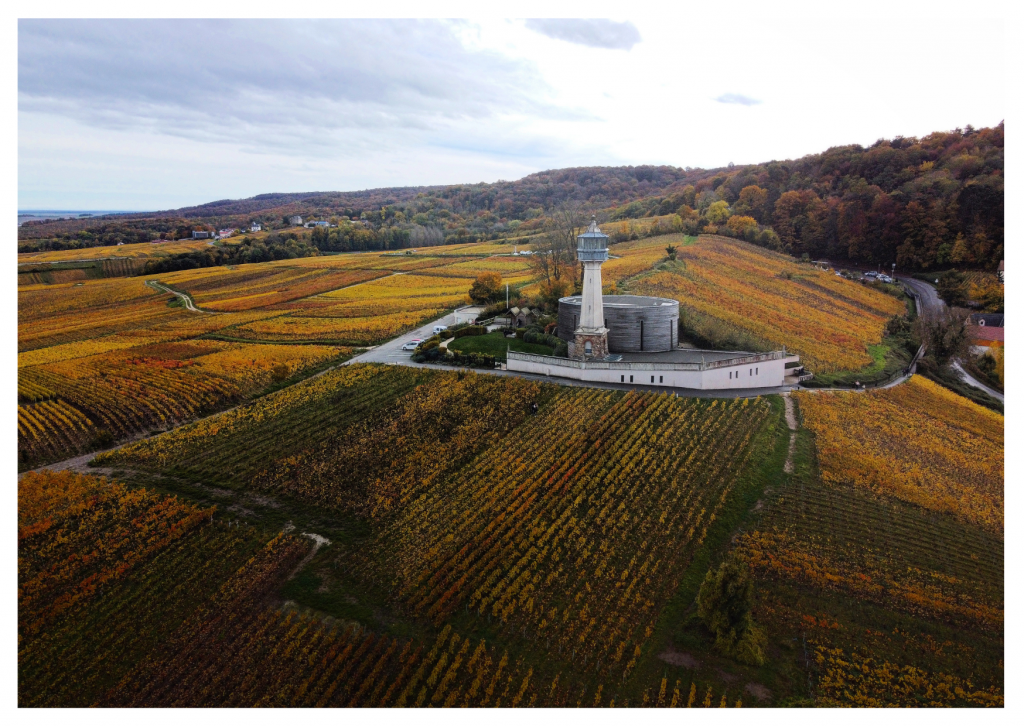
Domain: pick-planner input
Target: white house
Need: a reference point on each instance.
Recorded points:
(295, 220)
(255, 227)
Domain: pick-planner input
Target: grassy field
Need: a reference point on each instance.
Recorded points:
(497, 344)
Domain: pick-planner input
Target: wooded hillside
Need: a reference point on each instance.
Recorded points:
(921, 203)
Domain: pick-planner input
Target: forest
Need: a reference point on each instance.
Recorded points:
(928, 203)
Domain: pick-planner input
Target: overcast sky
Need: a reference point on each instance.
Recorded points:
(157, 114)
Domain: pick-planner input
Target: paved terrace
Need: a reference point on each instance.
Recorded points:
(392, 353)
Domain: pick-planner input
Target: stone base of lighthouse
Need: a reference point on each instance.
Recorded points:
(598, 340)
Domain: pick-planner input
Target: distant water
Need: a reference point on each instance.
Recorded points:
(38, 215)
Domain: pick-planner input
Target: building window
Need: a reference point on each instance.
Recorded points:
(631, 379)
(622, 379)
(588, 347)
(641, 336)
(652, 379)
(661, 379)
(755, 371)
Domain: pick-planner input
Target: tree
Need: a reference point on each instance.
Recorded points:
(945, 335)
(718, 212)
(952, 288)
(486, 288)
(753, 201)
(723, 604)
(280, 372)
(671, 250)
(566, 223)
(739, 225)
(988, 294)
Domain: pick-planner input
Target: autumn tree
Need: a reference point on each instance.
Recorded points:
(952, 288)
(486, 288)
(718, 212)
(566, 222)
(740, 225)
(753, 202)
(945, 335)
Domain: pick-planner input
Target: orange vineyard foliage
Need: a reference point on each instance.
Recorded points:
(736, 286)
(77, 533)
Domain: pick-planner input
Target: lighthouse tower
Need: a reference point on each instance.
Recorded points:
(591, 337)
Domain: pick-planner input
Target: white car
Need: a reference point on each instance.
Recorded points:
(440, 329)
(412, 344)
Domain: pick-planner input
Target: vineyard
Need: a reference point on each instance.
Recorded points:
(79, 403)
(481, 555)
(217, 638)
(139, 250)
(732, 291)
(918, 442)
(103, 360)
(565, 532)
(899, 601)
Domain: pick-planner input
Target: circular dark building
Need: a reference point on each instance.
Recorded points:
(635, 324)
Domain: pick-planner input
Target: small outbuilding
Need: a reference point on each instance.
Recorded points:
(521, 317)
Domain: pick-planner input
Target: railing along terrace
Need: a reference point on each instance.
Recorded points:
(627, 366)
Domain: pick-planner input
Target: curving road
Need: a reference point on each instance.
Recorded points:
(928, 300)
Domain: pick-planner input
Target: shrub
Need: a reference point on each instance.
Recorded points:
(470, 330)
(280, 372)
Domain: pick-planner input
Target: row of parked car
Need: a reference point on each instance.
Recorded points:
(413, 343)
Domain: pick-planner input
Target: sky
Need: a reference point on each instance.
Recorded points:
(159, 114)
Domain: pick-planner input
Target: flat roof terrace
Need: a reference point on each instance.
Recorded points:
(680, 355)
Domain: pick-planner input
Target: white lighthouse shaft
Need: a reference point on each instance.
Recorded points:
(592, 308)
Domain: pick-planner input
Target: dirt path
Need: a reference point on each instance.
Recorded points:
(185, 299)
(793, 426)
(318, 542)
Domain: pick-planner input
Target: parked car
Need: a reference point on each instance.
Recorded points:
(412, 344)
(440, 329)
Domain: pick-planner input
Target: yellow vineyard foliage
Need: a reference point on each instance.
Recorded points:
(860, 681)
(918, 442)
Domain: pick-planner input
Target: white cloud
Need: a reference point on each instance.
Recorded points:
(596, 33)
(737, 98)
(168, 113)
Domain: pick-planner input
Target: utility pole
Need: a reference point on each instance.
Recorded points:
(506, 296)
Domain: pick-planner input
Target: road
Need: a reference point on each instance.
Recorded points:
(930, 302)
